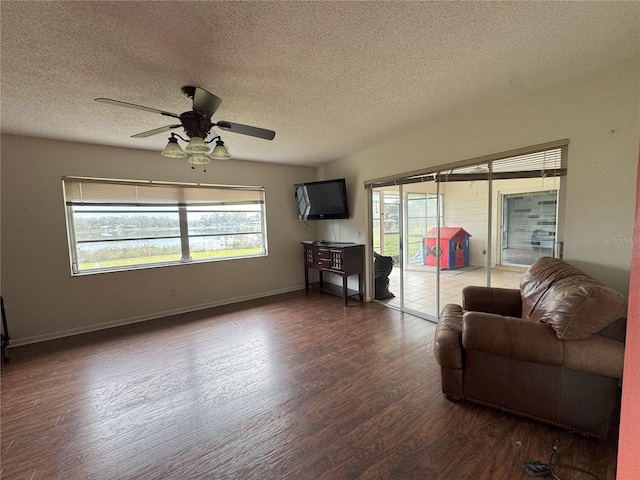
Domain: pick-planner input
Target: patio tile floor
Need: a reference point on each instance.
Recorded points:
(420, 285)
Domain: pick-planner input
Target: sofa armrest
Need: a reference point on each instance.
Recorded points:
(512, 338)
(447, 346)
(596, 354)
(502, 301)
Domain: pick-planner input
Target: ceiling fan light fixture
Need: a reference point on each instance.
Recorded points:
(197, 145)
(199, 159)
(197, 126)
(220, 151)
(173, 150)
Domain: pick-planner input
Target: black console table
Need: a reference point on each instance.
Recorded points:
(343, 259)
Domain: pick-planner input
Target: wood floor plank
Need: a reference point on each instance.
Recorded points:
(295, 386)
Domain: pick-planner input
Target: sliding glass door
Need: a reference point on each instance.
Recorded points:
(387, 242)
(423, 215)
(404, 219)
(481, 224)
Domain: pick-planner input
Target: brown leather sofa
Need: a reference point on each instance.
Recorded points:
(551, 351)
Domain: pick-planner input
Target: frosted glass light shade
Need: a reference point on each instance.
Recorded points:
(220, 152)
(199, 159)
(173, 150)
(197, 145)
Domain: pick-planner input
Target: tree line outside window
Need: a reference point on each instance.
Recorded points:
(126, 225)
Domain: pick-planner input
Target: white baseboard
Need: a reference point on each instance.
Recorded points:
(144, 318)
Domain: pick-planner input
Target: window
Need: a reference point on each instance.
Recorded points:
(528, 227)
(421, 210)
(386, 222)
(122, 225)
(421, 216)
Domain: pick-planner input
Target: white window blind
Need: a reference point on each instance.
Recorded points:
(545, 160)
(79, 191)
(117, 225)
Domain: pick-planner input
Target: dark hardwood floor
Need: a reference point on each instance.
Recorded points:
(295, 386)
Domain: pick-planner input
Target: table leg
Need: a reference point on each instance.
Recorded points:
(345, 291)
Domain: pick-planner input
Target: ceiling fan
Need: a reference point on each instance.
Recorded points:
(197, 125)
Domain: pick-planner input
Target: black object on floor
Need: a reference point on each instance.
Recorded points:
(536, 469)
(382, 267)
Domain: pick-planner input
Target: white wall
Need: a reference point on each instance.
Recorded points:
(598, 113)
(44, 300)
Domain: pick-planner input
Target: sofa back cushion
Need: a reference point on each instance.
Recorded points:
(575, 304)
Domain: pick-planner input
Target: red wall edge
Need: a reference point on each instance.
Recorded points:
(629, 440)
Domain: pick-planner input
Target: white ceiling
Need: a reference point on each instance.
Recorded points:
(331, 78)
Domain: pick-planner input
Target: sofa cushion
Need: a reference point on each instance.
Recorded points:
(503, 301)
(575, 304)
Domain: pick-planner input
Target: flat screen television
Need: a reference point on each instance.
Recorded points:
(324, 200)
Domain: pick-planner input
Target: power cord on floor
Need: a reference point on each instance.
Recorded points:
(539, 469)
(553, 454)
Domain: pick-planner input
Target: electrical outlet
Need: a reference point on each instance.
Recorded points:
(173, 292)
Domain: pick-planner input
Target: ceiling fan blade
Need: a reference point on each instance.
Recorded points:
(155, 131)
(246, 130)
(205, 102)
(118, 103)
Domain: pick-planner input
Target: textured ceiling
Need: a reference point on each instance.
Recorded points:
(331, 78)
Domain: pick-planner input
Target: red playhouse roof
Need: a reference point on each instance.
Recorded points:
(447, 232)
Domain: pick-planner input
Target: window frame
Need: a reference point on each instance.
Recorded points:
(138, 197)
